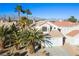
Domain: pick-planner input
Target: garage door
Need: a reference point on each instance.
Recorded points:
(53, 42)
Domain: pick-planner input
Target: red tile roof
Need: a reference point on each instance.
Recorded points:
(73, 33)
(64, 23)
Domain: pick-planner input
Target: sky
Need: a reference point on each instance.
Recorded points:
(43, 10)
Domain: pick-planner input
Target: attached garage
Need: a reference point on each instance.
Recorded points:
(55, 39)
(73, 37)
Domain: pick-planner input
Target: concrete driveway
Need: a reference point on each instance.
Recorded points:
(57, 51)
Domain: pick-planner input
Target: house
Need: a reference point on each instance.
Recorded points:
(55, 38)
(59, 32)
(62, 26)
(45, 26)
(66, 26)
(73, 37)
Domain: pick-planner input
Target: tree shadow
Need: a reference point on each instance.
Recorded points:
(38, 47)
(16, 54)
(23, 53)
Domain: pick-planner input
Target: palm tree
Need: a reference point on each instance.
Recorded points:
(28, 12)
(19, 10)
(25, 22)
(15, 35)
(30, 37)
(3, 34)
(1, 38)
(6, 34)
(17, 40)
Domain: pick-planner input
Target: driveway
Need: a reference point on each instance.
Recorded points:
(57, 51)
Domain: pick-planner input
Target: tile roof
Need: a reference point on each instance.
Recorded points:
(73, 33)
(64, 23)
(57, 23)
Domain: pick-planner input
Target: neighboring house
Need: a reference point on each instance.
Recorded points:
(66, 26)
(45, 26)
(61, 32)
(62, 26)
(73, 37)
(55, 38)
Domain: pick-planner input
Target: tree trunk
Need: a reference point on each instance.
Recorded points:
(31, 48)
(27, 16)
(19, 15)
(17, 47)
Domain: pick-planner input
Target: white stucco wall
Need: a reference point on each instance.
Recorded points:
(73, 40)
(56, 41)
(47, 24)
(66, 30)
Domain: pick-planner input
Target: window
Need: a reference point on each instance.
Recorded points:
(44, 28)
(50, 28)
(54, 28)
